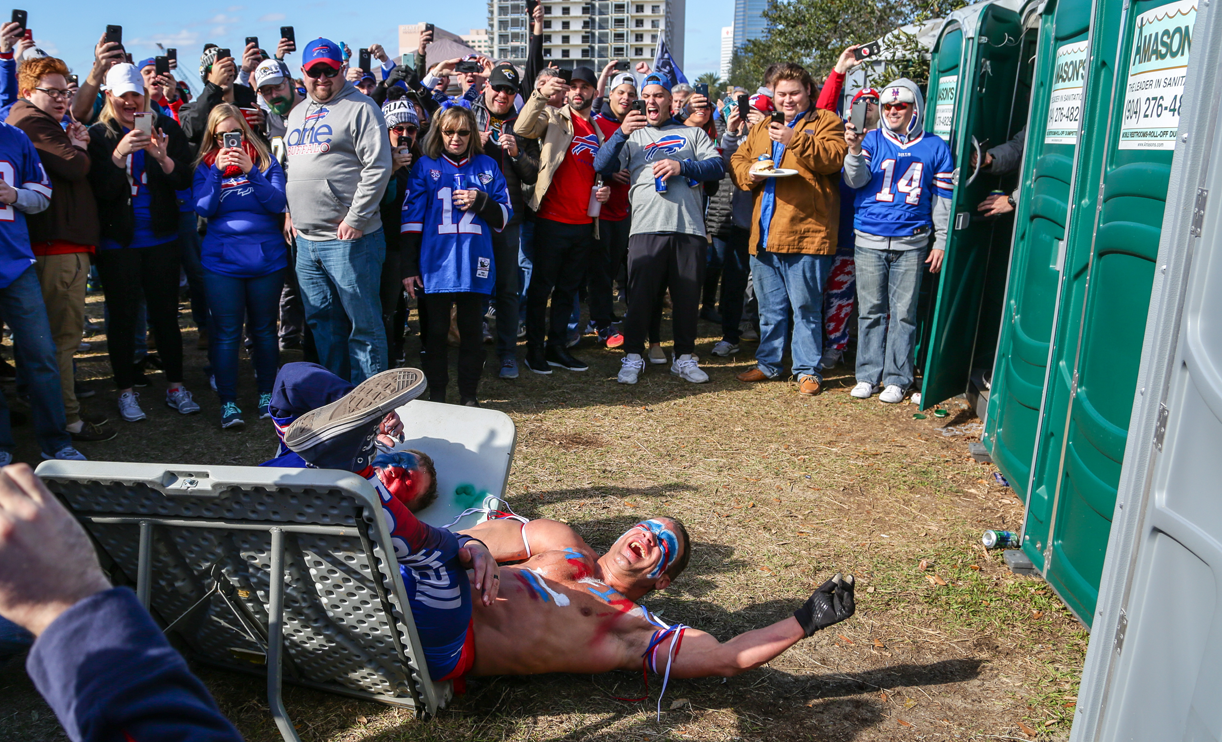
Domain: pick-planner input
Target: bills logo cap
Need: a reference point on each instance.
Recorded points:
(322, 51)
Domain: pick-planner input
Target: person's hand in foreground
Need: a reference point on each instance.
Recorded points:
(486, 577)
(47, 563)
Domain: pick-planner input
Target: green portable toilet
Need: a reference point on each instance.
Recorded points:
(1111, 249)
(1017, 380)
(974, 81)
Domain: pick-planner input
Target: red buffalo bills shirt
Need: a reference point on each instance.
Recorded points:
(616, 208)
(568, 197)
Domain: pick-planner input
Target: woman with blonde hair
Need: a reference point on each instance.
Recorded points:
(461, 195)
(135, 170)
(239, 189)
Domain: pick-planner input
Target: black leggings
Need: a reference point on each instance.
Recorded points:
(470, 347)
(125, 272)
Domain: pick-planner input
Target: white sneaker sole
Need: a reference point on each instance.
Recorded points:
(371, 400)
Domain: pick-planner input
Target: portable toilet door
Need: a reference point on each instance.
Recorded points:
(1103, 315)
(1017, 382)
(1154, 663)
(988, 37)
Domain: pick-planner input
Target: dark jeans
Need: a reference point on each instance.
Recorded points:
(394, 307)
(124, 272)
(234, 301)
(604, 265)
(561, 251)
(190, 243)
(470, 345)
(735, 261)
(34, 349)
(657, 262)
(505, 247)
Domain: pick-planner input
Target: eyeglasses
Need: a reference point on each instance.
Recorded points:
(321, 70)
(55, 92)
(402, 129)
(456, 132)
(895, 106)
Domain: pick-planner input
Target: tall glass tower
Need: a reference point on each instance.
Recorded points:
(748, 20)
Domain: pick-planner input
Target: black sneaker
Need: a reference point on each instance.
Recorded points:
(90, 433)
(557, 356)
(83, 392)
(101, 419)
(341, 435)
(536, 360)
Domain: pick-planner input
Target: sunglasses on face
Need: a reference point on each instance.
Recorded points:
(895, 106)
(456, 132)
(221, 134)
(402, 130)
(321, 70)
(504, 89)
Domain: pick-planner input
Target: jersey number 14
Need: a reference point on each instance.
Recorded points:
(909, 183)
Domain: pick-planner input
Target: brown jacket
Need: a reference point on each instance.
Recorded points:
(554, 128)
(806, 215)
(73, 214)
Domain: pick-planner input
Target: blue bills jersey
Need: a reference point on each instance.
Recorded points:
(20, 168)
(456, 245)
(898, 200)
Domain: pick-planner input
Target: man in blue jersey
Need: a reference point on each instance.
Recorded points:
(25, 189)
(903, 177)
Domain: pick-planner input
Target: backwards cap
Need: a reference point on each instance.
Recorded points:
(654, 78)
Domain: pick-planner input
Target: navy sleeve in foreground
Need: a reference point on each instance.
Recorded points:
(110, 676)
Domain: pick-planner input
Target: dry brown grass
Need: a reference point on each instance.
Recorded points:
(778, 493)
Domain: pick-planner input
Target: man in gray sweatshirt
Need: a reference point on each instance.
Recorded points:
(339, 162)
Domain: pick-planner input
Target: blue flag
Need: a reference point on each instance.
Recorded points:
(664, 63)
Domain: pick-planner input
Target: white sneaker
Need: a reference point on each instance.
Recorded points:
(129, 407)
(180, 399)
(657, 356)
(630, 369)
(863, 390)
(893, 394)
(723, 349)
(67, 453)
(686, 368)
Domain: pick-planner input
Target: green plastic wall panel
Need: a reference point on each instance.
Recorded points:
(1043, 210)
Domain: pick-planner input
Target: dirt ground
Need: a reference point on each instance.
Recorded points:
(778, 493)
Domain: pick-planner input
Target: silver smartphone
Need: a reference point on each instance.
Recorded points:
(232, 140)
(144, 122)
(857, 117)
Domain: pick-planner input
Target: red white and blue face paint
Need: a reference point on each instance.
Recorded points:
(668, 542)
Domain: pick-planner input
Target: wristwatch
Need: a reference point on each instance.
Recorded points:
(1010, 199)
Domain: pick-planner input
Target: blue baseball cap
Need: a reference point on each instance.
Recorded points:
(324, 51)
(653, 78)
(146, 63)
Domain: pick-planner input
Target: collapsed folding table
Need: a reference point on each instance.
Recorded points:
(287, 571)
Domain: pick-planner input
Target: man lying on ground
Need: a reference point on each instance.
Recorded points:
(563, 608)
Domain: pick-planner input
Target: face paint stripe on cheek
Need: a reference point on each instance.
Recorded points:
(667, 540)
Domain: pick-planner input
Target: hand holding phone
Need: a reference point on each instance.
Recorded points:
(162, 65)
(868, 51)
(622, 65)
(365, 60)
(286, 33)
(222, 54)
(858, 115)
(232, 140)
(566, 75)
(114, 35)
(144, 122)
(252, 40)
(778, 118)
(20, 17)
(702, 88)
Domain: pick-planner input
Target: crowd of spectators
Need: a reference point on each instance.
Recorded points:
(313, 204)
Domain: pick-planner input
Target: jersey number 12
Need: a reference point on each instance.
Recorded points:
(909, 183)
(466, 225)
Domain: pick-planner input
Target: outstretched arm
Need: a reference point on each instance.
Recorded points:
(512, 540)
(701, 655)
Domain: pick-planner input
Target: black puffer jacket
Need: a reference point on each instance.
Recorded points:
(717, 218)
(114, 194)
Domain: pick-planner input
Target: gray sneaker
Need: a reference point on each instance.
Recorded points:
(67, 453)
(180, 399)
(725, 348)
(509, 367)
(686, 367)
(129, 407)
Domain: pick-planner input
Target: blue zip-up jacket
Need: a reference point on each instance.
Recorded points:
(244, 215)
(110, 676)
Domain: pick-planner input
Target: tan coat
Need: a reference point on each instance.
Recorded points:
(554, 128)
(806, 216)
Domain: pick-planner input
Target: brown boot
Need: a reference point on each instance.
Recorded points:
(754, 375)
(808, 386)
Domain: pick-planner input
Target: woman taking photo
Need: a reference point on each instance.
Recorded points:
(461, 195)
(239, 189)
(135, 170)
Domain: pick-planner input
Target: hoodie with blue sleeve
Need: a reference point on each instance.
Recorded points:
(245, 213)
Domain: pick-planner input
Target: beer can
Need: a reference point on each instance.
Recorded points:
(659, 185)
(996, 192)
(1000, 540)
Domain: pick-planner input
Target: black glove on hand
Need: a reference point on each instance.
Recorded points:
(830, 604)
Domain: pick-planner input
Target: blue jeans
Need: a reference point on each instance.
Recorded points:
(190, 244)
(24, 312)
(233, 302)
(888, 282)
(783, 282)
(526, 265)
(340, 287)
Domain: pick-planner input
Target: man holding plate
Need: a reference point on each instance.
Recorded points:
(791, 165)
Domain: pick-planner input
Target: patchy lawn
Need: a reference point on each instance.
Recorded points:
(778, 492)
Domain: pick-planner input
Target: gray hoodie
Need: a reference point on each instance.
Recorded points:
(857, 174)
(339, 162)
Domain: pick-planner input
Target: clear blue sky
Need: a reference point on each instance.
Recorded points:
(70, 29)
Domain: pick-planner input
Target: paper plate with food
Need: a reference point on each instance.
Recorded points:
(766, 169)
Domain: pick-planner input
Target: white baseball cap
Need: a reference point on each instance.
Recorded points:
(270, 72)
(124, 78)
(898, 94)
(623, 78)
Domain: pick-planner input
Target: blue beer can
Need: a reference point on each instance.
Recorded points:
(659, 185)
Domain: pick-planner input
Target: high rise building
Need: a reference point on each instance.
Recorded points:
(589, 33)
(480, 41)
(727, 51)
(749, 20)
